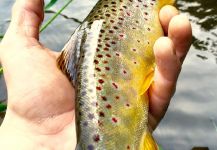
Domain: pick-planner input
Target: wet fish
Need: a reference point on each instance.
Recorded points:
(110, 61)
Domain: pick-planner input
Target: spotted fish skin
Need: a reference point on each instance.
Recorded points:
(110, 61)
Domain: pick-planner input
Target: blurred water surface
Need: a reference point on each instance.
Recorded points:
(192, 115)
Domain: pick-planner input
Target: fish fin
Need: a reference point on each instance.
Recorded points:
(70, 55)
(148, 142)
(166, 2)
(147, 82)
(80, 42)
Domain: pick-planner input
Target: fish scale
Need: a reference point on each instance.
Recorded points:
(110, 61)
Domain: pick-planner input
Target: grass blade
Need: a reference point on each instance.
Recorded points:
(54, 17)
(3, 107)
(1, 71)
(50, 4)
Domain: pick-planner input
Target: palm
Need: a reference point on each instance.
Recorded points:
(38, 92)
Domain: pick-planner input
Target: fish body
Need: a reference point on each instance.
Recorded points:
(110, 61)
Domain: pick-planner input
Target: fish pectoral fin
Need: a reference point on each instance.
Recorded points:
(70, 54)
(83, 40)
(147, 82)
(148, 142)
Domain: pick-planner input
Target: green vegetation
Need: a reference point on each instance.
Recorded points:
(3, 107)
(1, 71)
(50, 4)
(55, 15)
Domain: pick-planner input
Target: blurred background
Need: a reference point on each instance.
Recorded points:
(192, 116)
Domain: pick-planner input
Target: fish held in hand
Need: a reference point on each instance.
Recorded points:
(109, 60)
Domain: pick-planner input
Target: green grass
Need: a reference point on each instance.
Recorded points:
(1, 71)
(50, 4)
(55, 16)
(3, 107)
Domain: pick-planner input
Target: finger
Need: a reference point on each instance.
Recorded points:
(27, 16)
(180, 32)
(167, 70)
(166, 14)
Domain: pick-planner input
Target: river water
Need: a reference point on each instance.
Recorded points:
(192, 116)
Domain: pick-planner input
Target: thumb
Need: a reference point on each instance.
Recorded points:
(27, 16)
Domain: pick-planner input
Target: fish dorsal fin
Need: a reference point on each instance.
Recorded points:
(70, 55)
(166, 2)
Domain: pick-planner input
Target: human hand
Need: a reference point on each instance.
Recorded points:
(170, 52)
(40, 110)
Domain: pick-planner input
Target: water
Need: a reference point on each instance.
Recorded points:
(192, 115)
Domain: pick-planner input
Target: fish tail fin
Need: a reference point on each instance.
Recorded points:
(148, 142)
(166, 2)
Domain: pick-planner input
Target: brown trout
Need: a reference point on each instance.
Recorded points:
(109, 60)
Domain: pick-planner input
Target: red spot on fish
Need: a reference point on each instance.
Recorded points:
(134, 49)
(128, 147)
(104, 98)
(101, 81)
(105, 62)
(107, 39)
(101, 114)
(106, 49)
(108, 106)
(107, 68)
(107, 45)
(115, 85)
(128, 105)
(128, 14)
(111, 31)
(115, 27)
(125, 7)
(108, 55)
(112, 21)
(108, 15)
(117, 97)
(114, 120)
(96, 61)
(98, 88)
(121, 18)
(102, 31)
(122, 36)
(125, 72)
(96, 138)
(99, 56)
(98, 69)
(113, 42)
